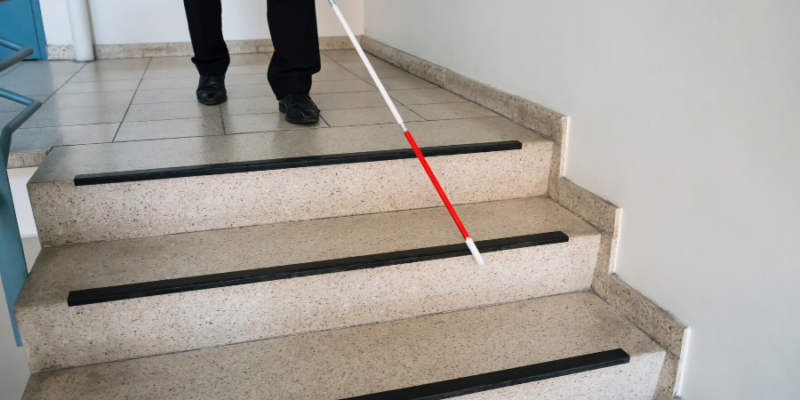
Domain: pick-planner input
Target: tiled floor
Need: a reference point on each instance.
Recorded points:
(153, 98)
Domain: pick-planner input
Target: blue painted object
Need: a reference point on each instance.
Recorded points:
(21, 21)
(13, 270)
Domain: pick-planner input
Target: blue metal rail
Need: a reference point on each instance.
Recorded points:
(13, 270)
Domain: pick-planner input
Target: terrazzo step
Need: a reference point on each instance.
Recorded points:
(571, 346)
(98, 302)
(123, 190)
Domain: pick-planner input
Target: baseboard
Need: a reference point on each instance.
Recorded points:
(141, 50)
(659, 324)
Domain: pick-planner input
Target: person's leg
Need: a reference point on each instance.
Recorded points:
(293, 27)
(205, 27)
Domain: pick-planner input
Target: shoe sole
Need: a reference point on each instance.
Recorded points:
(213, 103)
(298, 121)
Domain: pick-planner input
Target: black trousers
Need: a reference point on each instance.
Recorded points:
(293, 27)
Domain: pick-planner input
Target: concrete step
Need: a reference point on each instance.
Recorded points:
(543, 342)
(153, 188)
(98, 302)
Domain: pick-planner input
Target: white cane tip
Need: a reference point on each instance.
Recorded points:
(474, 250)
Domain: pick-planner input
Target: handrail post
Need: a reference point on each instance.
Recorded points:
(13, 270)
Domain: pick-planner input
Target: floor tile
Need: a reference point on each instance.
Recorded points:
(169, 83)
(247, 69)
(97, 87)
(406, 81)
(164, 95)
(341, 55)
(181, 62)
(432, 112)
(43, 139)
(249, 91)
(246, 79)
(189, 72)
(256, 105)
(425, 96)
(366, 116)
(173, 128)
(51, 67)
(341, 86)
(177, 110)
(33, 84)
(263, 123)
(335, 101)
(334, 75)
(123, 64)
(96, 76)
(81, 100)
(77, 116)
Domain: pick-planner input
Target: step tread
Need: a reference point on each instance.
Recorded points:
(375, 358)
(59, 270)
(64, 163)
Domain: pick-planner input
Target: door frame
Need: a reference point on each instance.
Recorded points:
(37, 21)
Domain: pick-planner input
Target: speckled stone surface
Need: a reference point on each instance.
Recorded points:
(183, 321)
(375, 358)
(589, 206)
(68, 214)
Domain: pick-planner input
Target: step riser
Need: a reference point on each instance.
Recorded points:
(139, 327)
(633, 381)
(65, 213)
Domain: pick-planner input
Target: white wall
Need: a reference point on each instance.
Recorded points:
(157, 21)
(686, 114)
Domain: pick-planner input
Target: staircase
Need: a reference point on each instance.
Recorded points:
(319, 264)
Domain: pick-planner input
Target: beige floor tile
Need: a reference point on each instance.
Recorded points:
(366, 116)
(263, 123)
(124, 64)
(335, 101)
(81, 100)
(425, 96)
(164, 95)
(48, 67)
(173, 128)
(96, 76)
(97, 87)
(406, 81)
(247, 69)
(248, 106)
(334, 74)
(249, 91)
(169, 83)
(178, 110)
(43, 139)
(188, 72)
(433, 112)
(246, 79)
(341, 86)
(77, 116)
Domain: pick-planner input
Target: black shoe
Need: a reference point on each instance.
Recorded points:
(299, 108)
(211, 90)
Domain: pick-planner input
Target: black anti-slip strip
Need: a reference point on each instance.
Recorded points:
(285, 163)
(504, 378)
(122, 292)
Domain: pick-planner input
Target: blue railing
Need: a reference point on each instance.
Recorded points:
(13, 270)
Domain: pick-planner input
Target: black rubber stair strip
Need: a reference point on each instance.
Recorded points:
(136, 290)
(504, 378)
(286, 163)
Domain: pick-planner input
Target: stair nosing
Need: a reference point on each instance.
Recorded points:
(288, 163)
(503, 378)
(234, 278)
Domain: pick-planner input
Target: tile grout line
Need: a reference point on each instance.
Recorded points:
(114, 139)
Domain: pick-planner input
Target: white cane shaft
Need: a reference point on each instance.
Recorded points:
(372, 73)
